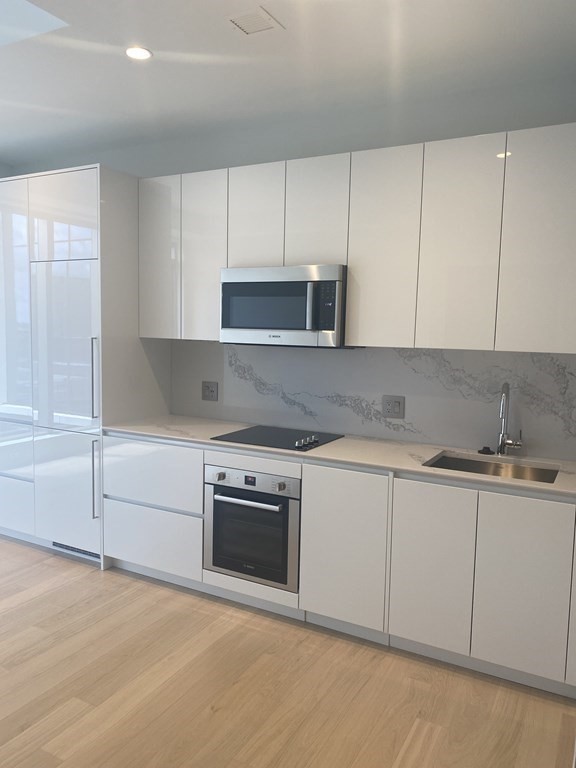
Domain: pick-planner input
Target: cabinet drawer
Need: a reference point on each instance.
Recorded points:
(154, 538)
(162, 475)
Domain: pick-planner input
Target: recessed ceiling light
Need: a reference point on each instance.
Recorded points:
(502, 155)
(138, 53)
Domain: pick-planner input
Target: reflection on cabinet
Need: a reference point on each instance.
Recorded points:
(167, 476)
(536, 306)
(65, 344)
(204, 251)
(153, 538)
(64, 215)
(522, 583)
(160, 257)
(256, 215)
(343, 545)
(17, 505)
(317, 200)
(460, 242)
(385, 199)
(432, 568)
(67, 481)
(16, 450)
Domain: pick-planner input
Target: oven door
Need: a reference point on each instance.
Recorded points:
(252, 535)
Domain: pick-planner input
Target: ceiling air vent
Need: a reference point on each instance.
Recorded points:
(256, 21)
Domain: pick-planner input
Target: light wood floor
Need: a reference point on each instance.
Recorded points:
(106, 670)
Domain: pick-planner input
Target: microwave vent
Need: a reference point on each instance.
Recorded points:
(256, 21)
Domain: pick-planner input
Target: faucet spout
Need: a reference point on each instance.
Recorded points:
(504, 440)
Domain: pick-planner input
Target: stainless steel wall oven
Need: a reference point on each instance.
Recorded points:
(252, 526)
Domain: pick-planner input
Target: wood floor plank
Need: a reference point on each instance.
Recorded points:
(107, 670)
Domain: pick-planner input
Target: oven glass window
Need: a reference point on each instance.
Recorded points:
(250, 540)
(273, 306)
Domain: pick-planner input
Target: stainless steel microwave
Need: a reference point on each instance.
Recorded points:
(290, 306)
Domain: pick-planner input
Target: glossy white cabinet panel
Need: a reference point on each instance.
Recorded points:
(160, 260)
(154, 538)
(460, 242)
(317, 201)
(343, 545)
(204, 251)
(64, 215)
(385, 201)
(15, 356)
(65, 344)
(16, 450)
(17, 505)
(154, 473)
(536, 305)
(256, 203)
(432, 568)
(522, 583)
(67, 481)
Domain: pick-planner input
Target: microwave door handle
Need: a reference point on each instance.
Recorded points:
(309, 306)
(244, 503)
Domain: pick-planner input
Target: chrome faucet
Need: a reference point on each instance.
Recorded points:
(504, 440)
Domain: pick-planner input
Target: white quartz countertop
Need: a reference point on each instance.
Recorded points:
(403, 458)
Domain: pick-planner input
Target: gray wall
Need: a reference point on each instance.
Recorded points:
(452, 397)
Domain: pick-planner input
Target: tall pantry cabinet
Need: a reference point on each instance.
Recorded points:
(70, 343)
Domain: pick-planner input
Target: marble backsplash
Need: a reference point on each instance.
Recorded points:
(452, 397)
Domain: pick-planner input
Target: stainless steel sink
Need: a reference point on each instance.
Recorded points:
(496, 467)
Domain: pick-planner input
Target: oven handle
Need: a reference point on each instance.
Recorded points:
(244, 503)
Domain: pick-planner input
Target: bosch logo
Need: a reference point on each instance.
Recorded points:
(274, 336)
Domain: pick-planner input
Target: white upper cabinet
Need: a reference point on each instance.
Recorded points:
(317, 202)
(432, 569)
(536, 305)
(15, 356)
(256, 201)
(522, 583)
(204, 251)
(64, 215)
(160, 257)
(460, 242)
(385, 200)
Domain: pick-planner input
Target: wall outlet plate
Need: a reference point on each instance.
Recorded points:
(210, 391)
(393, 406)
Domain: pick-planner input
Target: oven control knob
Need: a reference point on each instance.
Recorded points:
(314, 439)
(299, 444)
(307, 440)
(220, 476)
(279, 487)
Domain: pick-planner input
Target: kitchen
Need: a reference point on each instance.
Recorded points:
(451, 394)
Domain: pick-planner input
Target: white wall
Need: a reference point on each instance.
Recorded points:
(452, 397)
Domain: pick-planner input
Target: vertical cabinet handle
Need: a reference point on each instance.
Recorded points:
(95, 369)
(95, 485)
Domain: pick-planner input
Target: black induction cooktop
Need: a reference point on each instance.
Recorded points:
(279, 437)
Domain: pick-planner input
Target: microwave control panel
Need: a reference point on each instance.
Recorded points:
(327, 305)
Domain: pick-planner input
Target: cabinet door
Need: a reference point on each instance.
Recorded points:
(159, 254)
(169, 476)
(385, 200)
(256, 215)
(204, 251)
(17, 505)
(64, 215)
(15, 357)
(460, 242)
(343, 545)
(522, 583)
(154, 538)
(432, 568)
(67, 482)
(317, 201)
(65, 344)
(536, 307)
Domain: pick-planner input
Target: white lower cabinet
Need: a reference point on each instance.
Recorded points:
(522, 583)
(17, 505)
(67, 482)
(154, 538)
(343, 545)
(432, 565)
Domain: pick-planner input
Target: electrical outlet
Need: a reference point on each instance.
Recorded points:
(210, 390)
(393, 406)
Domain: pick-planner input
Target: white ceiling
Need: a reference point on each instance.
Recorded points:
(513, 60)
